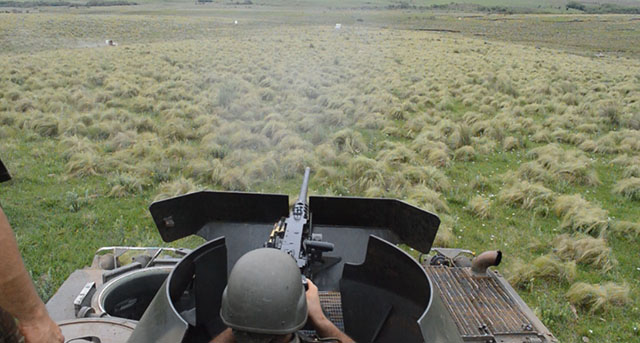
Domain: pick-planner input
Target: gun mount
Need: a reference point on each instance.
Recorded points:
(369, 287)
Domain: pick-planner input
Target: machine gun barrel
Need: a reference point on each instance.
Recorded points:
(305, 186)
(294, 234)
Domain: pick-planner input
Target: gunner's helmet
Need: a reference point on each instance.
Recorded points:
(265, 294)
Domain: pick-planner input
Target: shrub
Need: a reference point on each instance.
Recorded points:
(598, 298)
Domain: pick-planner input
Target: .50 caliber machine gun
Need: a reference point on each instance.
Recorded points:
(294, 236)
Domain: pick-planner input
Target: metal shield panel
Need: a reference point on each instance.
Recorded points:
(184, 215)
(190, 283)
(389, 298)
(4, 173)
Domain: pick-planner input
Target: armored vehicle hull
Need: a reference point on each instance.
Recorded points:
(369, 286)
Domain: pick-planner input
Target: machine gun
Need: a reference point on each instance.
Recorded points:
(294, 236)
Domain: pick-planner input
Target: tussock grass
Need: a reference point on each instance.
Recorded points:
(262, 169)
(480, 206)
(629, 188)
(614, 142)
(626, 160)
(588, 128)
(45, 125)
(632, 121)
(125, 184)
(626, 228)
(235, 179)
(584, 250)
(542, 136)
(465, 154)
(545, 267)
(484, 145)
(365, 173)
(588, 145)
(511, 143)
(293, 163)
(121, 140)
(577, 214)
(610, 112)
(438, 158)
(445, 237)
(176, 187)
(428, 199)
(551, 163)
(396, 155)
(204, 171)
(429, 147)
(530, 196)
(481, 183)
(85, 163)
(349, 141)
(427, 175)
(74, 145)
(598, 298)
(375, 192)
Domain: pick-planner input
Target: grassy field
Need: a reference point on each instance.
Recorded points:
(511, 130)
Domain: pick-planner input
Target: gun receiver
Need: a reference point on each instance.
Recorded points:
(294, 234)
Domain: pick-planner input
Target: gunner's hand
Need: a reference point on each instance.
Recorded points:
(40, 329)
(314, 308)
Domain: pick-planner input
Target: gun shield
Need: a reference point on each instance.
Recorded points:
(4, 173)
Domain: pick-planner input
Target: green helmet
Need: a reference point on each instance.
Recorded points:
(265, 294)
